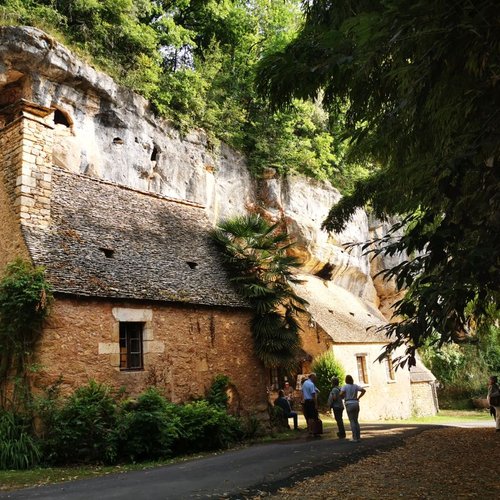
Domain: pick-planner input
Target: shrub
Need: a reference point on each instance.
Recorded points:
(252, 427)
(148, 427)
(205, 427)
(326, 367)
(19, 449)
(217, 393)
(83, 428)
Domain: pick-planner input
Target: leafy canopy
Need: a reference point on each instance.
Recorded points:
(195, 60)
(255, 253)
(419, 84)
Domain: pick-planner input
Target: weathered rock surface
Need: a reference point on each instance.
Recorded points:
(106, 131)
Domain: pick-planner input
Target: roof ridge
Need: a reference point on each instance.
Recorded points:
(128, 188)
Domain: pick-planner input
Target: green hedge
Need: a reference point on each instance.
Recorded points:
(95, 425)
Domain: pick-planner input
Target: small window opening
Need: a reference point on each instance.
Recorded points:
(155, 154)
(362, 369)
(61, 118)
(108, 252)
(192, 265)
(131, 351)
(389, 368)
(117, 140)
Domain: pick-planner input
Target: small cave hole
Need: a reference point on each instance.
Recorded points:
(352, 314)
(326, 272)
(108, 252)
(192, 265)
(117, 140)
(155, 154)
(61, 118)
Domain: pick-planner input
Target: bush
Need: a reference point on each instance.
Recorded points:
(326, 367)
(252, 427)
(462, 371)
(19, 449)
(83, 428)
(217, 393)
(205, 427)
(148, 427)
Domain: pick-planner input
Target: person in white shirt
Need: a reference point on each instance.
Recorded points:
(352, 393)
(310, 397)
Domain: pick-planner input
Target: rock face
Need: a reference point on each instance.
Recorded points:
(106, 131)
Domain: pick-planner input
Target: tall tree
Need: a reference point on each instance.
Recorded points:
(419, 80)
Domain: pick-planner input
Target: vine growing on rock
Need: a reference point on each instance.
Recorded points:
(255, 253)
(25, 297)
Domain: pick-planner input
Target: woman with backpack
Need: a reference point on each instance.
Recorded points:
(337, 406)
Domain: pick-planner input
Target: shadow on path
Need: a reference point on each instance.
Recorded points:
(234, 474)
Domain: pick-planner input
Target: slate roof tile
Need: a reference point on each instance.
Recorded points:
(107, 240)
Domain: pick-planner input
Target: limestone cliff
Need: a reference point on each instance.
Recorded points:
(106, 131)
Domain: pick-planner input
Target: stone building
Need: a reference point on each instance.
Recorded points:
(350, 331)
(117, 206)
(141, 296)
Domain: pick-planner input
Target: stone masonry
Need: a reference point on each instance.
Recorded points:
(26, 144)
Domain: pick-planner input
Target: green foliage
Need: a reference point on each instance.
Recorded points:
(252, 427)
(217, 393)
(418, 86)
(93, 426)
(205, 427)
(326, 366)
(25, 297)
(463, 370)
(148, 427)
(255, 252)
(83, 427)
(195, 60)
(19, 449)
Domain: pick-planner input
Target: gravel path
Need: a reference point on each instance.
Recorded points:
(438, 464)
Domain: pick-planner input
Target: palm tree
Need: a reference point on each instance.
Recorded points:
(255, 253)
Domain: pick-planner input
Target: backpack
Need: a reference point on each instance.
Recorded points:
(333, 397)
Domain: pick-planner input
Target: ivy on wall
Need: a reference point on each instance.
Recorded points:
(25, 297)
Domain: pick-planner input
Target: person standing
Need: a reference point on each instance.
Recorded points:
(352, 393)
(494, 398)
(337, 406)
(310, 397)
(284, 404)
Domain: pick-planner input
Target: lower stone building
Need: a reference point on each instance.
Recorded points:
(348, 326)
(141, 297)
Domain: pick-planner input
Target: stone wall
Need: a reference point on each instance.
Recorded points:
(184, 348)
(12, 244)
(424, 399)
(27, 144)
(384, 399)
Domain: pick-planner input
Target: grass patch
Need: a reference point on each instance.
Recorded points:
(449, 416)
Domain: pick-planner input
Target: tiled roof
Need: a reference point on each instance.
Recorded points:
(343, 316)
(107, 240)
(419, 373)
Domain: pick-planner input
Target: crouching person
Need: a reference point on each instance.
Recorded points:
(284, 404)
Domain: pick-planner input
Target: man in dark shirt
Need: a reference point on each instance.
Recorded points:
(284, 404)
